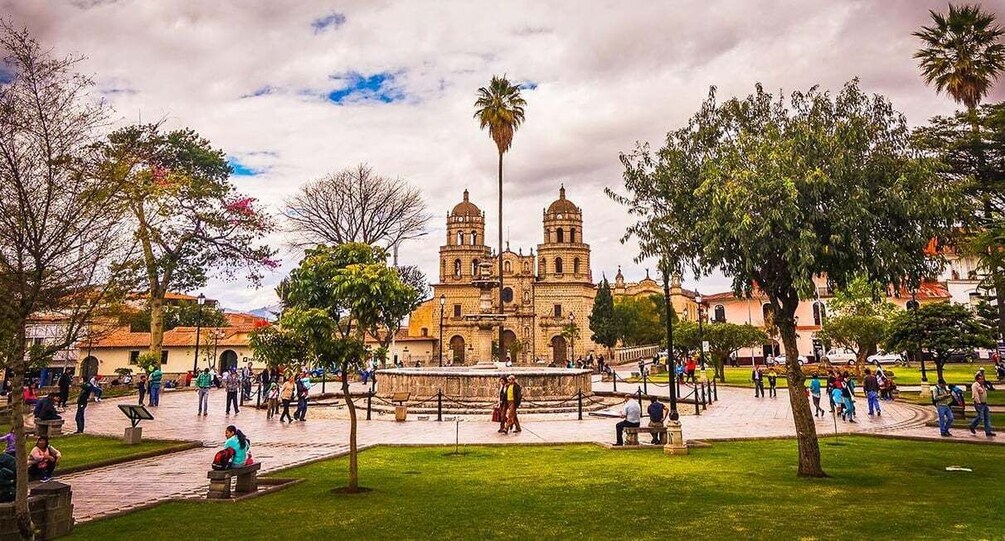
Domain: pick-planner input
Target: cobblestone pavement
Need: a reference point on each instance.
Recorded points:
(103, 491)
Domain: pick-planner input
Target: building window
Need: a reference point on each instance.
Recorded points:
(164, 356)
(507, 266)
(424, 331)
(558, 310)
(720, 313)
(507, 294)
(561, 235)
(558, 265)
(544, 266)
(460, 238)
(526, 297)
(457, 268)
(572, 234)
(134, 357)
(819, 313)
(457, 310)
(575, 266)
(526, 267)
(474, 268)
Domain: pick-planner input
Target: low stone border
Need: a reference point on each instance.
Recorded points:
(184, 446)
(274, 484)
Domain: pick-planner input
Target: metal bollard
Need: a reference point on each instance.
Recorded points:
(645, 384)
(369, 399)
(639, 394)
(258, 399)
(614, 376)
(580, 395)
(439, 405)
(715, 390)
(697, 406)
(704, 403)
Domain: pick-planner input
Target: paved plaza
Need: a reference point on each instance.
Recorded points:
(115, 489)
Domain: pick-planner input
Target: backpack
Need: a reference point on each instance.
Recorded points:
(223, 459)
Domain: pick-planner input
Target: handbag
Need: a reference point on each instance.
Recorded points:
(496, 415)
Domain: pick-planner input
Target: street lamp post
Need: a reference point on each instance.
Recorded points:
(701, 336)
(443, 302)
(913, 306)
(671, 364)
(201, 300)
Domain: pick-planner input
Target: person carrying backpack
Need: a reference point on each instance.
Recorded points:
(942, 399)
(303, 387)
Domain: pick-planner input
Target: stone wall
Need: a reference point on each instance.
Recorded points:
(51, 507)
(483, 384)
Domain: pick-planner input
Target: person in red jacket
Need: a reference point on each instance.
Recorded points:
(689, 367)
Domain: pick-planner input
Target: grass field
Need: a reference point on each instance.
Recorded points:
(879, 489)
(82, 450)
(953, 373)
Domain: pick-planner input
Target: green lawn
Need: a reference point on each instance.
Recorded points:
(953, 373)
(82, 450)
(880, 489)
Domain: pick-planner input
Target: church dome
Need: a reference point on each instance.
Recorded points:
(562, 204)
(466, 208)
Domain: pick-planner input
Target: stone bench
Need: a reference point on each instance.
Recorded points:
(51, 508)
(632, 433)
(219, 481)
(50, 428)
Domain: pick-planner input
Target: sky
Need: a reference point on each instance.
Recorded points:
(294, 90)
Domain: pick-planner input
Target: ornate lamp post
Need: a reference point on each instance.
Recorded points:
(701, 336)
(443, 302)
(201, 300)
(671, 363)
(572, 337)
(913, 307)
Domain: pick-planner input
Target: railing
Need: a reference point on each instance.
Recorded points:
(628, 354)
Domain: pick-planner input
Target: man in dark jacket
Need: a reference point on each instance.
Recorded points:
(85, 395)
(45, 408)
(514, 396)
(64, 388)
(871, 386)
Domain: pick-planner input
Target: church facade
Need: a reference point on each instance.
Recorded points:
(543, 291)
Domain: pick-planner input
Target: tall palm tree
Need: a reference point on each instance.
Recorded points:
(962, 54)
(500, 109)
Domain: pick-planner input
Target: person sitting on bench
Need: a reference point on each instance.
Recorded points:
(632, 413)
(43, 459)
(237, 441)
(657, 414)
(45, 408)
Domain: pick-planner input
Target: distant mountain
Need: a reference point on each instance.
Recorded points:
(270, 313)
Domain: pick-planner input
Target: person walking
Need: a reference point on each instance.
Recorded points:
(154, 386)
(831, 383)
(271, 398)
(658, 412)
(757, 376)
(514, 396)
(848, 395)
(64, 388)
(979, 396)
(943, 399)
(303, 384)
(141, 388)
(772, 383)
(632, 413)
(503, 409)
(203, 383)
(815, 394)
(264, 383)
(85, 395)
(871, 386)
(232, 383)
(286, 395)
(247, 374)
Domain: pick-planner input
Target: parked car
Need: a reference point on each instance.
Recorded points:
(882, 357)
(839, 356)
(781, 360)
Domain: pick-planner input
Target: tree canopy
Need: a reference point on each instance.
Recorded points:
(859, 318)
(726, 338)
(939, 328)
(774, 191)
(603, 320)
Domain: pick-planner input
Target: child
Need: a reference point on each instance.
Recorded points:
(272, 400)
(141, 386)
(838, 401)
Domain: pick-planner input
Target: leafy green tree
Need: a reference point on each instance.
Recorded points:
(331, 301)
(638, 322)
(570, 331)
(184, 314)
(603, 320)
(724, 339)
(685, 338)
(277, 346)
(774, 192)
(939, 328)
(500, 109)
(188, 218)
(859, 318)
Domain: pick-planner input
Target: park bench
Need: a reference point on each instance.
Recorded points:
(219, 481)
(50, 428)
(632, 433)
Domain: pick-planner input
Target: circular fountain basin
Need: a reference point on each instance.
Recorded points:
(470, 383)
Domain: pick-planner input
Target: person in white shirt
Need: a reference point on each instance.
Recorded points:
(632, 413)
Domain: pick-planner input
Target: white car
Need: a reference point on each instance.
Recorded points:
(781, 359)
(882, 357)
(840, 356)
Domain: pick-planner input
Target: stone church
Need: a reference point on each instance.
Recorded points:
(543, 291)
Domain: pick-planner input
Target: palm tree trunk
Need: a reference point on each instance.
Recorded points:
(501, 323)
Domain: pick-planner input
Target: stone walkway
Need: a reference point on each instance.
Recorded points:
(114, 489)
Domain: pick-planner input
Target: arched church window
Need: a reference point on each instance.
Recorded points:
(474, 238)
(575, 266)
(460, 238)
(558, 264)
(543, 266)
(572, 234)
(561, 235)
(457, 268)
(507, 266)
(474, 267)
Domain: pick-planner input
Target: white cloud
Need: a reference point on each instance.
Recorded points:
(607, 75)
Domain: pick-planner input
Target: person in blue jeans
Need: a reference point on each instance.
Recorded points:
(871, 386)
(154, 386)
(979, 394)
(815, 393)
(943, 400)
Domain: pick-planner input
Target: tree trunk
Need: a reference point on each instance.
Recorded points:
(940, 362)
(156, 325)
(999, 282)
(18, 368)
(500, 262)
(806, 430)
(353, 469)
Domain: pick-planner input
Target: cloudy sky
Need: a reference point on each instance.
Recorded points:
(292, 90)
